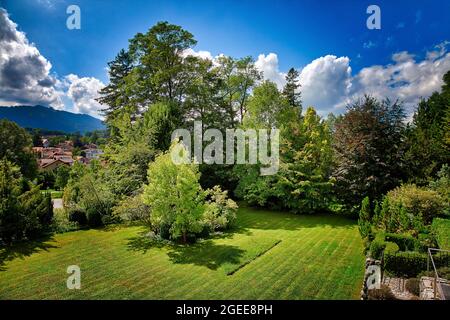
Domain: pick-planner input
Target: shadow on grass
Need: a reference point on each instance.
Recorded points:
(142, 243)
(24, 249)
(202, 253)
(206, 254)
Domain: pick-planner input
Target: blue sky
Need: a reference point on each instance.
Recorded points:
(297, 32)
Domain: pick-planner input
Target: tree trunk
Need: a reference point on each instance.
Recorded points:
(184, 237)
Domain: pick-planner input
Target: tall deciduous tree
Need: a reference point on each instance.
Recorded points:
(368, 146)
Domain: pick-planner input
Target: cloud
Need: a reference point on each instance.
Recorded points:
(268, 65)
(24, 73)
(406, 78)
(26, 78)
(83, 92)
(200, 54)
(326, 83)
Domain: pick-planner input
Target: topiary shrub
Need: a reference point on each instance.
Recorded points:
(405, 242)
(413, 286)
(364, 225)
(391, 247)
(441, 229)
(405, 264)
(376, 248)
(77, 215)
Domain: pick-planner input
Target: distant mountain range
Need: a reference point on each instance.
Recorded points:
(48, 118)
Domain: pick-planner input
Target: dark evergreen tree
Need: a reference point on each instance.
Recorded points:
(291, 88)
(113, 95)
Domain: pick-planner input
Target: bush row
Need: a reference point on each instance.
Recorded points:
(410, 264)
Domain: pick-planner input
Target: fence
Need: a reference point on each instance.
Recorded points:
(440, 285)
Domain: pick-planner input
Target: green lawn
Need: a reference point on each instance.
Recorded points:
(271, 255)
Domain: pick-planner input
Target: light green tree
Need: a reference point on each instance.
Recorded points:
(175, 197)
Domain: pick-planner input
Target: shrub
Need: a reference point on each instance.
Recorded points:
(94, 217)
(37, 210)
(364, 218)
(376, 248)
(444, 272)
(442, 185)
(391, 247)
(425, 241)
(441, 229)
(405, 264)
(132, 209)
(77, 215)
(220, 211)
(174, 194)
(61, 222)
(409, 207)
(412, 285)
(405, 242)
(384, 293)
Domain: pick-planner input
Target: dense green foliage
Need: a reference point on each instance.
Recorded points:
(364, 218)
(178, 203)
(16, 146)
(411, 263)
(25, 213)
(441, 228)
(368, 150)
(368, 163)
(175, 198)
(428, 136)
(409, 207)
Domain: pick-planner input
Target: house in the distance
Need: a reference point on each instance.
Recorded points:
(45, 143)
(52, 164)
(92, 153)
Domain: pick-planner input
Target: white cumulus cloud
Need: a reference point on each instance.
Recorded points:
(326, 82)
(268, 65)
(406, 78)
(83, 92)
(24, 73)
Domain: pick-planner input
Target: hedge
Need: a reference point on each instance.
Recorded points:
(410, 264)
(404, 241)
(441, 228)
(376, 248)
(391, 247)
(405, 264)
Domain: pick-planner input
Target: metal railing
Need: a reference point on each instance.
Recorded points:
(437, 280)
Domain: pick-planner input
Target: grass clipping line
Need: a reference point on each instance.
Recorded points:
(246, 262)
